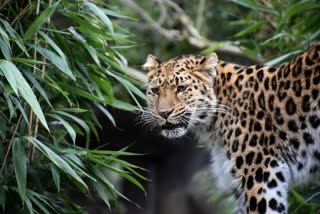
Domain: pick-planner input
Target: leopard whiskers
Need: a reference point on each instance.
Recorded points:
(146, 119)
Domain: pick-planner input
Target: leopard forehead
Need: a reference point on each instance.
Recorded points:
(177, 70)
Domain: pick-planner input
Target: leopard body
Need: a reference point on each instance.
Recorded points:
(261, 123)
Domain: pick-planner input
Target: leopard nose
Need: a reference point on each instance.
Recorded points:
(165, 112)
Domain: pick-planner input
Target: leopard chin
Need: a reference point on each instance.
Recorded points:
(174, 133)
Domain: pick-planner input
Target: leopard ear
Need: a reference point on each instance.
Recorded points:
(151, 63)
(209, 64)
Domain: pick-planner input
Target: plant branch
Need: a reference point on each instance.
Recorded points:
(200, 13)
(188, 31)
(10, 144)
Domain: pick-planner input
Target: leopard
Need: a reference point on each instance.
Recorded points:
(261, 123)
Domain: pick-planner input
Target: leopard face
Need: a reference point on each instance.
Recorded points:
(180, 93)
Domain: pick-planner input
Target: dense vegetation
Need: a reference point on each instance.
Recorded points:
(56, 72)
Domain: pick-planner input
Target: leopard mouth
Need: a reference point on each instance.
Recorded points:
(170, 130)
(171, 126)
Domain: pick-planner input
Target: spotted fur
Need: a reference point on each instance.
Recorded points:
(261, 123)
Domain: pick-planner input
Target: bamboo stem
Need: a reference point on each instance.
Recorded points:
(10, 144)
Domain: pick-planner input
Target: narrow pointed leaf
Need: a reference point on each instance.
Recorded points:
(57, 160)
(21, 86)
(67, 126)
(56, 176)
(20, 166)
(102, 16)
(2, 197)
(59, 62)
(40, 20)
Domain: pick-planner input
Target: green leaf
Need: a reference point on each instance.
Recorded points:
(123, 105)
(102, 16)
(298, 197)
(298, 8)
(128, 84)
(67, 126)
(41, 199)
(56, 176)
(97, 172)
(283, 57)
(37, 85)
(82, 93)
(26, 61)
(253, 5)
(104, 84)
(5, 45)
(74, 110)
(82, 123)
(19, 106)
(59, 62)
(93, 54)
(55, 47)
(14, 35)
(19, 84)
(102, 193)
(213, 47)
(58, 161)
(29, 205)
(40, 20)
(39, 204)
(277, 36)
(251, 28)
(107, 113)
(2, 197)
(122, 173)
(20, 166)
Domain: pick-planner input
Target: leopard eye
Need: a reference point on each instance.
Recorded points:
(155, 90)
(182, 88)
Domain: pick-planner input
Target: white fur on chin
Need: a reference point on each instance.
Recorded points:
(174, 133)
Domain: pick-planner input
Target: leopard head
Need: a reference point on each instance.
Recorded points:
(180, 92)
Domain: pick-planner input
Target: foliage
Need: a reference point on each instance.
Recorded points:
(278, 28)
(59, 65)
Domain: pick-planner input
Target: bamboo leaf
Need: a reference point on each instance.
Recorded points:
(56, 176)
(55, 47)
(58, 161)
(123, 105)
(19, 84)
(93, 54)
(251, 28)
(16, 38)
(29, 205)
(40, 20)
(2, 197)
(128, 84)
(107, 113)
(5, 49)
(59, 62)
(39, 204)
(102, 193)
(67, 126)
(102, 16)
(19, 106)
(37, 85)
(26, 61)
(122, 173)
(297, 8)
(20, 166)
(255, 6)
(281, 58)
